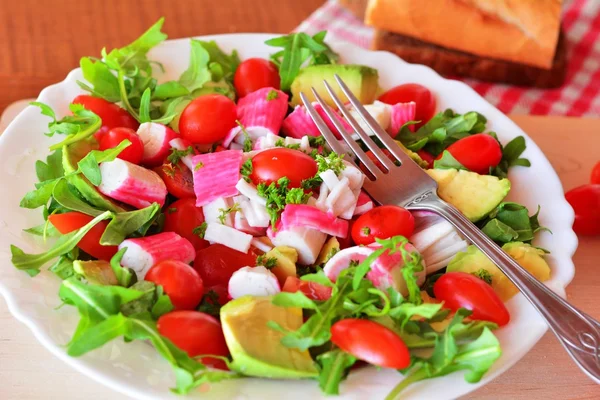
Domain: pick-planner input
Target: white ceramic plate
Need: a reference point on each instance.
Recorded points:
(135, 369)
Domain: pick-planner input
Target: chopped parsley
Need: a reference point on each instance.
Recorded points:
(281, 143)
(177, 155)
(246, 169)
(316, 141)
(366, 230)
(272, 95)
(278, 195)
(210, 304)
(333, 161)
(353, 264)
(198, 166)
(200, 230)
(224, 212)
(484, 275)
(247, 139)
(267, 262)
(171, 210)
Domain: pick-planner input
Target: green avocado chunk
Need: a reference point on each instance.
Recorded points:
(71, 155)
(363, 81)
(255, 348)
(96, 272)
(473, 194)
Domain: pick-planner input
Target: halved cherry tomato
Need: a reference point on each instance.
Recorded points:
(477, 152)
(585, 201)
(270, 165)
(463, 290)
(183, 217)
(371, 342)
(207, 119)
(595, 179)
(427, 157)
(381, 223)
(90, 243)
(217, 263)
(254, 74)
(312, 290)
(178, 179)
(180, 282)
(196, 333)
(132, 153)
(111, 114)
(412, 92)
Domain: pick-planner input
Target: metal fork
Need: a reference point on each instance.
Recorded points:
(409, 186)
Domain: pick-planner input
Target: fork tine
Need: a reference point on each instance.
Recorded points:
(386, 139)
(362, 156)
(388, 164)
(327, 134)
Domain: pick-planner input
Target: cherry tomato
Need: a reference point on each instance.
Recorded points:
(477, 152)
(381, 223)
(132, 153)
(254, 74)
(370, 342)
(585, 201)
(463, 290)
(427, 157)
(178, 179)
(312, 290)
(196, 333)
(181, 283)
(90, 243)
(412, 92)
(217, 263)
(373, 158)
(111, 114)
(183, 217)
(207, 119)
(596, 174)
(270, 165)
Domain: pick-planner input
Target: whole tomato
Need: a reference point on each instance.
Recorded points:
(178, 179)
(270, 165)
(585, 201)
(463, 290)
(207, 119)
(111, 114)
(595, 179)
(132, 153)
(197, 334)
(180, 282)
(381, 223)
(253, 74)
(422, 96)
(184, 218)
(478, 152)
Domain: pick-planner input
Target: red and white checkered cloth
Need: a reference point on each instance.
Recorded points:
(579, 96)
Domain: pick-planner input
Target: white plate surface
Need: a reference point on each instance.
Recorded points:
(135, 369)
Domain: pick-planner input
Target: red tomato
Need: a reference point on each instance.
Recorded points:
(132, 153)
(373, 158)
(196, 333)
(207, 119)
(463, 290)
(596, 174)
(412, 92)
(181, 283)
(585, 201)
(312, 290)
(90, 243)
(427, 157)
(382, 222)
(111, 114)
(477, 152)
(217, 263)
(178, 179)
(371, 342)
(270, 165)
(254, 74)
(182, 217)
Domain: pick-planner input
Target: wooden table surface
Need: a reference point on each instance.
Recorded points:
(41, 44)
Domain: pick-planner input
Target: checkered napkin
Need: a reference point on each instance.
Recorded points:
(579, 96)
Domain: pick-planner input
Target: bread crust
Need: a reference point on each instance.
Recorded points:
(522, 31)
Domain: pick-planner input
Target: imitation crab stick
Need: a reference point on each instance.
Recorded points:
(259, 112)
(143, 253)
(216, 175)
(253, 281)
(227, 236)
(182, 144)
(134, 185)
(156, 138)
(307, 241)
(363, 204)
(217, 211)
(303, 215)
(401, 113)
(299, 124)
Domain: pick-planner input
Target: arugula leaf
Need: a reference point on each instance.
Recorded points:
(40, 196)
(45, 230)
(31, 263)
(334, 366)
(140, 304)
(162, 305)
(169, 90)
(66, 197)
(124, 224)
(197, 73)
(104, 83)
(227, 63)
(63, 267)
(448, 162)
(511, 154)
(89, 165)
(51, 169)
(511, 222)
(145, 106)
(125, 276)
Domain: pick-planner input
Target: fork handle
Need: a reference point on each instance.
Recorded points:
(578, 332)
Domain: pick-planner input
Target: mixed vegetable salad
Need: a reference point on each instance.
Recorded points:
(207, 216)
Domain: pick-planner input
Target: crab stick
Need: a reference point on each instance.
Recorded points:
(228, 236)
(307, 241)
(156, 138)
(182, 144)
(302, 215)
(401, 113)
(298, 124)
(253, 281)
(216, 175)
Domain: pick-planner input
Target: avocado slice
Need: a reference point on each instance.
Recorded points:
(286, 257)
(96, 272)
(473, 194)
(363, 81)
(255, 348)
(331, 247)
(530, 258)
(71, 155)
(414, 156)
